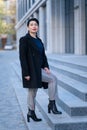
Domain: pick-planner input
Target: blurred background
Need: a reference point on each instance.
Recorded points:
(7, 24)
(63, 24)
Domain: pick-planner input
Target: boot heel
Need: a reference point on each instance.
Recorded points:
(49, 110)
(28, 118)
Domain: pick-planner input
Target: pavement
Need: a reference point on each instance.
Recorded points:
(13, 97)
(11, 117)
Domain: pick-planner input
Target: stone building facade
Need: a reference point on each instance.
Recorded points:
(63, 24)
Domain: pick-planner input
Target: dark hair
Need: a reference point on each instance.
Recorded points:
(32, 19)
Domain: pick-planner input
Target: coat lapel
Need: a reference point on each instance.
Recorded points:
(31, 42)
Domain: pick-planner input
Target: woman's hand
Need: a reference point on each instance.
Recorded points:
(27, 77)
(47, 70)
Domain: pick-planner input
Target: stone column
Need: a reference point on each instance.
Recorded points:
(22, 7)
(79, 26)
(62, 26)
(50, 19)
(56, 26)
(30, 3)
(59, 26)
(18, 7)
(41, 23)
(27, 5)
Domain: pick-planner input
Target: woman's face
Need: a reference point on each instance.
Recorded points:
(33, 27)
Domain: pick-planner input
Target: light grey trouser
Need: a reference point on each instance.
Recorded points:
(52, 89)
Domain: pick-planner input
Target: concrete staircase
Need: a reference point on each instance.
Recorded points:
(71, 72)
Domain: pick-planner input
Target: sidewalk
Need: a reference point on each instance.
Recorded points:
(13, 104)
(11, 117)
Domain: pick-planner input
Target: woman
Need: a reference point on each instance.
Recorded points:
(35, 69)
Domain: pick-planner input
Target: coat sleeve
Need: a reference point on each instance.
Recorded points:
(23, 56)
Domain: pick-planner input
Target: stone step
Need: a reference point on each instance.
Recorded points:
(78, 62)
(59, 122)
(70, 72)
(77, 88)
(56, 122)
(72, 65)
(71, 104)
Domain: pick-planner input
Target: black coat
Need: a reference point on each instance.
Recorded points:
(30, 59)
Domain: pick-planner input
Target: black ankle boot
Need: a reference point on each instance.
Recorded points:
(52, 107)
(31, 114)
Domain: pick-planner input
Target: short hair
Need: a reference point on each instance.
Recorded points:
(32, 19)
